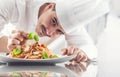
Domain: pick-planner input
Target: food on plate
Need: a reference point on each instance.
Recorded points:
(33, 51)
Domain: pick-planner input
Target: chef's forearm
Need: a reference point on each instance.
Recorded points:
(3, 44)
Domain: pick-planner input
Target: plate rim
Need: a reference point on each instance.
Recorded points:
(35, 60)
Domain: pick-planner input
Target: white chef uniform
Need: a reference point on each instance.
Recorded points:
(72, 15)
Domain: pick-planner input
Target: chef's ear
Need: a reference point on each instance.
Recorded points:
(50, 6)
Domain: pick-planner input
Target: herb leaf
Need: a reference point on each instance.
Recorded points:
(54, 56)
(34, 36)
(44, 55)
(17, 51)
(30, 35)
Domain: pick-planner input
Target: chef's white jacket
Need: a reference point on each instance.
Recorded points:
(22, 14)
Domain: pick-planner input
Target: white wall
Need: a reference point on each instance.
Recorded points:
(115, 7)
(109, 49)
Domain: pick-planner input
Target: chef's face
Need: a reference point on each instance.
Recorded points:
(48, 24)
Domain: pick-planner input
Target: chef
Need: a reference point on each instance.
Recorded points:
(52, 19)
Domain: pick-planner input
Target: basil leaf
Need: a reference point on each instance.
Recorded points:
(54, 56)
(44, 55)
(17, 51)
(15, 74)
(36, 38)
(31, 35)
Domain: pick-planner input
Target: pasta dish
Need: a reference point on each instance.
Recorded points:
(33, 51)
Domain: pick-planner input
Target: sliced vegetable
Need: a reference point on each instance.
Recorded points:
(34, 36)
(44, 74)
(42, 45)
(17, 51)
(44, 55)
(16, 74)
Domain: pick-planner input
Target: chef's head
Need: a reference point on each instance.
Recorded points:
(64, 16)
(48, 23)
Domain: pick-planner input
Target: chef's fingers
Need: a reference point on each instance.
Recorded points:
(12, 46)
(17, 36)
(64, 51)
(22, 33)
(71, 50)
(75, 52)
(13, 41)
(79, 57)
(84, 58)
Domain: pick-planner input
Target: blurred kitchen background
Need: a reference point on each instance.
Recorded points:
(105, 31)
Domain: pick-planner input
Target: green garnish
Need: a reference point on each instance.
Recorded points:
(17, 51)
(34, 36)
(54, 56)
(44, 55)
(16, 74)
(44, 74)
(30, 36)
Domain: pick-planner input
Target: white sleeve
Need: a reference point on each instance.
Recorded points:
(6, 11)
(82, 40)
(2, 23)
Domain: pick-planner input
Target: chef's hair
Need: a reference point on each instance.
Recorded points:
(42, 7)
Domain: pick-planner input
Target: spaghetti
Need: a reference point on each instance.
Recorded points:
(34, 51)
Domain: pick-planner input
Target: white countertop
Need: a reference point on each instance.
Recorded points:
(109, 49)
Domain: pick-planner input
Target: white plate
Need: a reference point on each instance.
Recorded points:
(61, 59)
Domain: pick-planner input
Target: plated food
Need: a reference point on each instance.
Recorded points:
(33, 51)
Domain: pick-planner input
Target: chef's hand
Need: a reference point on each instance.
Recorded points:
(80, 55)
(16, 39)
